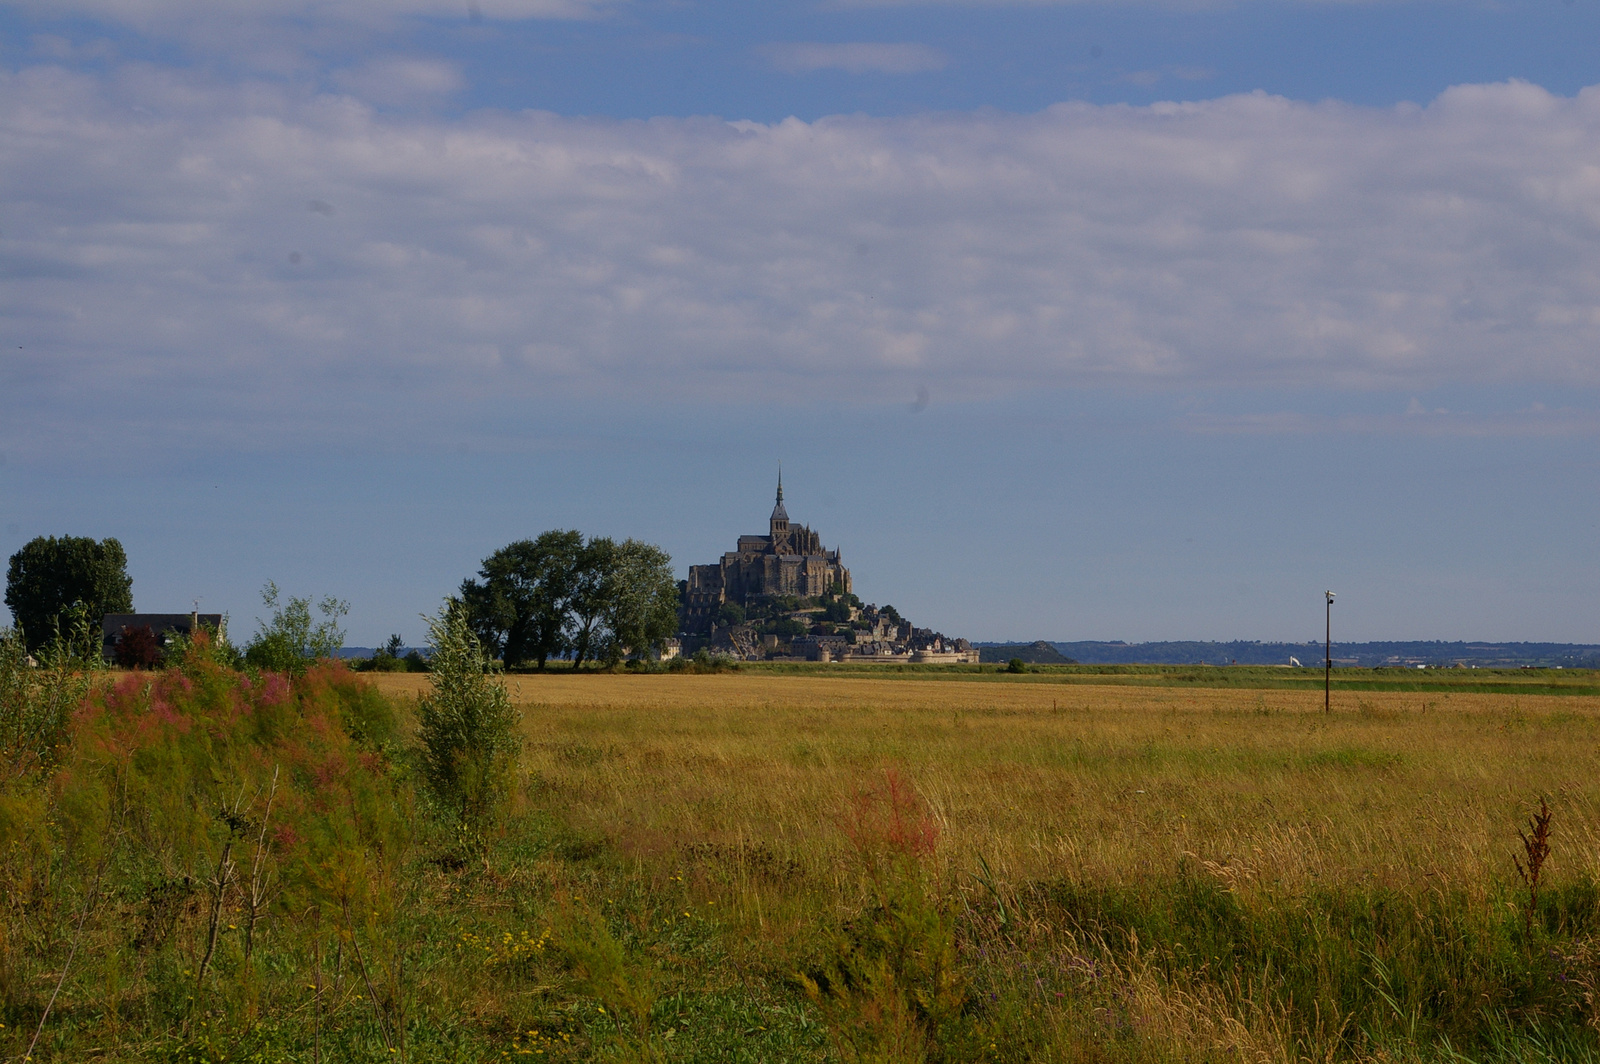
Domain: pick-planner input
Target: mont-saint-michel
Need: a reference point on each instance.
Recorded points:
(786, 597)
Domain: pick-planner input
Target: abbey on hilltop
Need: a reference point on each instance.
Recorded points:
(788, 560)
(785, 596)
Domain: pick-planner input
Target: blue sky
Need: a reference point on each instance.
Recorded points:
(1212, 305)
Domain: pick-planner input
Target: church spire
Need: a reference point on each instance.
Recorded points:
(780, 516)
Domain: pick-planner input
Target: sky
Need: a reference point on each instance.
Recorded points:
(1066, 320)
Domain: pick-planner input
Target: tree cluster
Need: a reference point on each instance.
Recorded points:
(561, 595)
(57, 579)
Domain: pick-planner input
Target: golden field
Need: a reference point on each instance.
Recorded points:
(1099, 783)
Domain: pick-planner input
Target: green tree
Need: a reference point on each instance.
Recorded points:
(467, 724)
(785, 628)
(51, 575)
(520, 608)
(591, 590)
(641, 596)
(291, 641)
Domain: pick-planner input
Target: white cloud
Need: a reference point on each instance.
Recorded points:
(855, 57)
(176, 247)
(400, 80)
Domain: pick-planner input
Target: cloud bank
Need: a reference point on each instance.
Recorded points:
(166, 239)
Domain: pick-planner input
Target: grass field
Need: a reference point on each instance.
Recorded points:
(1097, 781)
(792, 864)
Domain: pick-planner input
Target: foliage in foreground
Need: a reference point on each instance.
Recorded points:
(36, 704)
(465, 723)
(225, 868)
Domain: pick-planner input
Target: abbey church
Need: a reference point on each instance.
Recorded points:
(785, 597)
(788, 560)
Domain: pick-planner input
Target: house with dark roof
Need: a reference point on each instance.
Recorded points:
(160, 624)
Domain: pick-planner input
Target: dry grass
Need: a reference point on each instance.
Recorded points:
(727, 867)
(1101, 784)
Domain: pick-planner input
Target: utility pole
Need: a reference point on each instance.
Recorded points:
(1327, 660)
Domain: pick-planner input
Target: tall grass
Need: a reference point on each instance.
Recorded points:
(1228, 866)
(770, 867)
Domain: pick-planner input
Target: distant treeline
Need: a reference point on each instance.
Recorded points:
(1366, 655)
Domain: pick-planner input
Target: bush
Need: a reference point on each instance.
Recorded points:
(467, 724)
(893, 988)
(703, 662)
(1017, 665)
(379, 662)
(137, 648)
(205, 644)
(36, 705)
(290, 642)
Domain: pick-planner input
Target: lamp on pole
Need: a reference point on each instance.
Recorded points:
(1327, 660)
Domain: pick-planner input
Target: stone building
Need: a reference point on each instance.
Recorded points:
(788, 560)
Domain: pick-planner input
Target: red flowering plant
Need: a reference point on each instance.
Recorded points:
(892, 987)
(270, 808)
(137, 648)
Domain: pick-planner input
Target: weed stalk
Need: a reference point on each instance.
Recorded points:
(72, 952)
(260, 885)
(1536, 848)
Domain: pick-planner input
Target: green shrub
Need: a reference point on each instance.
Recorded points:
(466, 724)
(380, 662)
(388, 658)
(203, 645)
(36, 704)
(291, 641)
(197, 819)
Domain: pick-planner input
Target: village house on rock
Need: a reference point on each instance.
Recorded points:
(784, 596)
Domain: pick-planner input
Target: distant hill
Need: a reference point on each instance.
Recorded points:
(1398, 654)
(1038, 653)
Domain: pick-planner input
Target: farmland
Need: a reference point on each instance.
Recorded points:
(812, 865)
